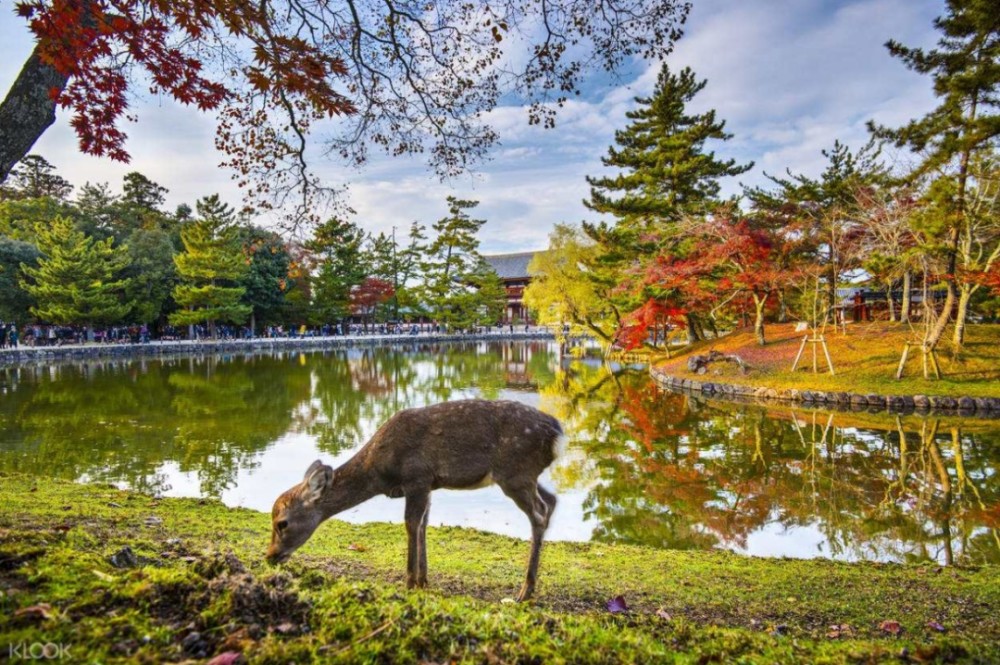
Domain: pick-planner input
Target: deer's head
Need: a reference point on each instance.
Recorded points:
(297, 513)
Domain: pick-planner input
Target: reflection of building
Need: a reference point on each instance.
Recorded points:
(513, 270)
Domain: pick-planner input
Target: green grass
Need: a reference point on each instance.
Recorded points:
(203, 590)
(865, 361)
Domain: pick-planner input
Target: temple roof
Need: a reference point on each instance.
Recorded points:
(510, 266)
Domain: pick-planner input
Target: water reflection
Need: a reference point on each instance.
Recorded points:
(644, 466)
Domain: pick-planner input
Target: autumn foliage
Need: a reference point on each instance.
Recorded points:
(713, 267)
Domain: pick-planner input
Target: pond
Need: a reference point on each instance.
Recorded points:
(643, 466)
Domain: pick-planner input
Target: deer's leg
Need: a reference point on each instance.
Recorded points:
(535, 502)
(422, 562)
(415, 516)
(550, 503)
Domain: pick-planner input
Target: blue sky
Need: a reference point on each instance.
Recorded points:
(788, 76)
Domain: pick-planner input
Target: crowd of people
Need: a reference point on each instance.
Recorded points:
(48, 335)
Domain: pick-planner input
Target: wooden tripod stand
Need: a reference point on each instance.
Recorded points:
(927, 353)
(815, 340)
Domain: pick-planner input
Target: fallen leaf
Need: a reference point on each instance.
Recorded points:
(840, 630)
(935, 626)
(617, 605)
(227, 658)
(103, 576)
(285, 628)
(507, 601)
(663, 614)
(891, 627)
(355, 547)
(39, 611)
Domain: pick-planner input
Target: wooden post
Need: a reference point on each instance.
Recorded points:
(815, 367)
(902, 361)
(799, 354)
(826, 352)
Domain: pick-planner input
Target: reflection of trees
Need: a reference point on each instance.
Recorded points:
(358, 389)
(115, 421)
(668, 471)
(212, 416)
(228, 412)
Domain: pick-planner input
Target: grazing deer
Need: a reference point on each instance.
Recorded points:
(457, 445)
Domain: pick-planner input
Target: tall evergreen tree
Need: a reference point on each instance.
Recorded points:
(665, 168)
(823, 210)
(266, 281)
(210, 268)
(965, 68)
(77, 279)
(450, 260)
(141, 192)
(338, 248)
(33, 178)
(665, 172)
(152, 274)
(15, 301)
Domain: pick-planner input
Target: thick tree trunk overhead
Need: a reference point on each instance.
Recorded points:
(27, 111)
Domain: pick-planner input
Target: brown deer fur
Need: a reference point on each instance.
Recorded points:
(457, 445)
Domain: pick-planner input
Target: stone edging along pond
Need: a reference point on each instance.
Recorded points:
(988, 407)
(51, 354)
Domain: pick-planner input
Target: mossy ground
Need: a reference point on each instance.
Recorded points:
(864, 360)
(201, 589)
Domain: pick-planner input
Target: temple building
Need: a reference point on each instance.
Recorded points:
(513, 270)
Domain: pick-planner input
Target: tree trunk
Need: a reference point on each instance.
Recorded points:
(889, 302)
(934, 335)
(958, 338)
(253, 324)
(27, 111)
(692, 330)
(904, 310)
(758, 322)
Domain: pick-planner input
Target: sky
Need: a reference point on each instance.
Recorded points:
(789, 77)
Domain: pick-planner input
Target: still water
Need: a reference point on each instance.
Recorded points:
(643, 466)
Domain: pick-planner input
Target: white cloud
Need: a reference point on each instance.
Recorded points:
(788, 76)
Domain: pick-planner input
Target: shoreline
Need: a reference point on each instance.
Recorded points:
(49, 354)
(983, 407)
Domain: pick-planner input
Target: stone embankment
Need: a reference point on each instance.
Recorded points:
(51, 354)
(988, 407)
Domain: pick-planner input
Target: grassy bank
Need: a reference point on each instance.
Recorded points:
(196, 587)
(865, 361)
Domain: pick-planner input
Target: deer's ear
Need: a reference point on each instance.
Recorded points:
(312, 467)
(317, 479)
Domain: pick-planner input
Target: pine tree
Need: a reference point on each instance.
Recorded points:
(451, 259)
(33, 178)
(266, 281)
(338, 248)
(665, 169)
(965, 69)
(665, 173)
(210, 268)
(76, 280)
(824, 210)
(15, 302)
